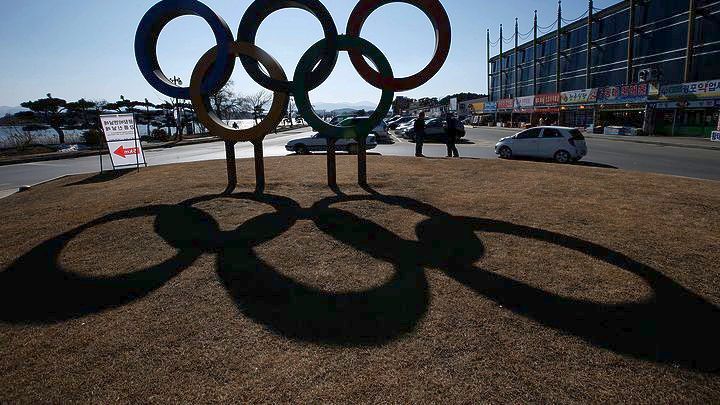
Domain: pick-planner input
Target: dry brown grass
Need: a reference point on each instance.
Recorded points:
(489, 281)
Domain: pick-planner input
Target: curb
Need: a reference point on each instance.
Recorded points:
(22, 189)
(658, 143)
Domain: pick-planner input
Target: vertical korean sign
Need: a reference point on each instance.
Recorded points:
(122, 140)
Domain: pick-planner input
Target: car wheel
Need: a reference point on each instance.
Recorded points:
(301, 149)
(353, 149)
(505, 153)
(563, 156)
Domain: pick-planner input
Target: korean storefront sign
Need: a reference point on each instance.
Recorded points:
(524, 104)
(505, 104)
(551, 99)
(477, 108)
(707, 89)
(671, 105)
(490, 107)
(626, 94)
(587, 96)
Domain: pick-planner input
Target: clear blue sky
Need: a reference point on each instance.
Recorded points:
(84, 48)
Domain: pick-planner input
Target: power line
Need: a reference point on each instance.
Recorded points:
(575, 19)
(549, 26)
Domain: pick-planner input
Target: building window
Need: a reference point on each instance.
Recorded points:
(706, 29)
(661, 40)
(612, 25)
(575, 83)
(547, 87)
(671, 71)
(573, 61)
(706, 67)
(611, 78)
(574, 38)
(650, 11)
(609, 53)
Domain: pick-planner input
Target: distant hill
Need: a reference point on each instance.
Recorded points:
(360, 105)
(345, 111)
(4, 110)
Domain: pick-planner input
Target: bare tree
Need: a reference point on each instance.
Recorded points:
(19, 137)
(257, 102)
(224, 102)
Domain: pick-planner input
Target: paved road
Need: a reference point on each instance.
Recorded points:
(697, 163)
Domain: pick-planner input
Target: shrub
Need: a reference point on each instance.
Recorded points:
(160, 135)
(93, 137)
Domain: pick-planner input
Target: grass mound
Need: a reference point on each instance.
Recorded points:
(453, 280)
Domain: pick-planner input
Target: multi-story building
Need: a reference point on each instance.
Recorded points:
(640, 52)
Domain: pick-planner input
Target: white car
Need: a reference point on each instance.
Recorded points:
(317, 142)
(403, 129)
(560, 143)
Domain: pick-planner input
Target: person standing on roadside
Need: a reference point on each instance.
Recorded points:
(451, 132)
(419, 128)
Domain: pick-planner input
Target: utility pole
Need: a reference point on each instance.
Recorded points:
(147, 116)
(489, 67)
(178, 126)
(535, 56)
(588, 72)
(690, 42)
(631, 44)
(557, 62)
(517, 62)
(502, 92)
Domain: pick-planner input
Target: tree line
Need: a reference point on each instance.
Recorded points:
(59, 115)
(403, 103)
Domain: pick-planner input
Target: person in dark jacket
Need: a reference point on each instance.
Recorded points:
(452, 134)
(419, 128)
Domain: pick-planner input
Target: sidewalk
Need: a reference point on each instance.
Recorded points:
(42, 157)
(680, 142)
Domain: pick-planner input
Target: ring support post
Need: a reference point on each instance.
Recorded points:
(331, 163)
(231, 166)
(259, 167)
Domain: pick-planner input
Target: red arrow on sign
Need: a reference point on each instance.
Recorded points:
(123, 152)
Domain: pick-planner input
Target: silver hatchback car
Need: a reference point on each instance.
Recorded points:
(560, 143)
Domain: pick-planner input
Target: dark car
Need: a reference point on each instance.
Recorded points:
(436, 130)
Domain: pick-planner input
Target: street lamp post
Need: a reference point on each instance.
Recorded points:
(147, 116)
(178, 82)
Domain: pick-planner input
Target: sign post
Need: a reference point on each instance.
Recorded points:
(123, 141)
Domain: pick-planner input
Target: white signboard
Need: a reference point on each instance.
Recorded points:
(715, 136)
(453, 104)
(123, 140)
(119, 127)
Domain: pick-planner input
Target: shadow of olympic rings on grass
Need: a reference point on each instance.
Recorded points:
(675, 326)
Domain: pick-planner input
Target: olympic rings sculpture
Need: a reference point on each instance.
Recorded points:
(214, 69)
